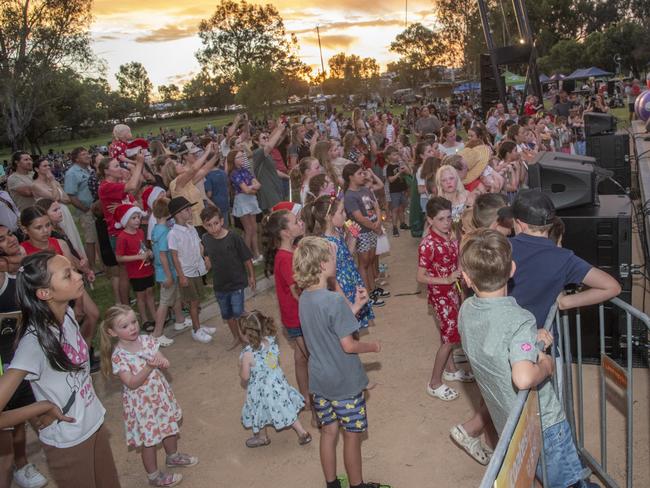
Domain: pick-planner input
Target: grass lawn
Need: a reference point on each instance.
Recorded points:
(196, 123)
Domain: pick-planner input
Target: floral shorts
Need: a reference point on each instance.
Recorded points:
(350, 412)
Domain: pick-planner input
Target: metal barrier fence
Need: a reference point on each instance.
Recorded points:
(563, 383)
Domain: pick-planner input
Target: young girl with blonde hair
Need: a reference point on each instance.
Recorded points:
(270, 399)
(151, 413)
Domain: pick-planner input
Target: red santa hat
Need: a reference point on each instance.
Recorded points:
(123, 213)
(294, 208)
(150, 195)
(136, 145)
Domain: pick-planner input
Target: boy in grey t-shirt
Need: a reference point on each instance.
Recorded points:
(499, 339)
(336, 376)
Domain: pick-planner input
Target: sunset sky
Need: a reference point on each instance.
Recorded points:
(162, 34)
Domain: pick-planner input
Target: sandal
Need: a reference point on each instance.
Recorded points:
(257, 441)
(181, 460)
(460, 375)
(304, 439)
(471, 445)
(166, 480)
(443, 392)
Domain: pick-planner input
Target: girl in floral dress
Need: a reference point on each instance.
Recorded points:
(439, 269)
(151, 414)
(326, 216)
(270, 399)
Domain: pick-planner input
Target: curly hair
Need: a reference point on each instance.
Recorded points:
(311, 252)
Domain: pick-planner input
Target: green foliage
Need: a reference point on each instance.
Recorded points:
(207, 91)
(240, 35)
(261, 88)
(38, 38)
(564, 57)
(135, 85)
(351, 74)
(626, 38)
(169, 93)
(419, 49)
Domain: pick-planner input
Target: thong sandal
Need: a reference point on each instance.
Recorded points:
(166, 480)
(443, 392)
(471, 445)
(257, 441)
(460, 375)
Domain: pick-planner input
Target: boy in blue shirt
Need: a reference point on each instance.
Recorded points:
(544, 269)
(165, 276)
(499, 340)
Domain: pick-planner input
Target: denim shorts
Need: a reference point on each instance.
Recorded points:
(563, 466)
(231, 303)
(294, 332)
(398, 200)
(350, 412)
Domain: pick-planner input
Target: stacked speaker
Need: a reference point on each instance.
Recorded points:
(611, 150)
(599, 230)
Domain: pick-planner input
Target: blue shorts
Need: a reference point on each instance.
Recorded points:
(350, 412)
(294, 332)
(231, 303)
(563, 466)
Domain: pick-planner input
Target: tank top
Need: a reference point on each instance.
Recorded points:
(53, 244)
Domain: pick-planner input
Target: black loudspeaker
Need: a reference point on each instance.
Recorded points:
(515, 54)
(569, 181)
(489, 89)
(602, 236)
(597, 124)
(569, 85)
(612, 152)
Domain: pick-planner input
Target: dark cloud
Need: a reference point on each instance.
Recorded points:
(170, 32)
(331, 41)
(108, 37)
(348, 25)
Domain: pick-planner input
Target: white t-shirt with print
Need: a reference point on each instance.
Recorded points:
(71, 389)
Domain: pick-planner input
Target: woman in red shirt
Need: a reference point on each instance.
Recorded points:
(114, 191)
(38, 227)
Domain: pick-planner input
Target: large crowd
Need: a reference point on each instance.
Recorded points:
(314, 202)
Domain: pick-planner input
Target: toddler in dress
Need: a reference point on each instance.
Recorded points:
(151, 413)
(270, 399)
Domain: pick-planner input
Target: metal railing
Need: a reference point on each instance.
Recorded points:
(563, 384)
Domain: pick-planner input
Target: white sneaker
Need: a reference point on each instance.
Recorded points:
(209, 330)
(164, 341)
(201, 336)
(258, 259)
(183, 326)
(29, 477)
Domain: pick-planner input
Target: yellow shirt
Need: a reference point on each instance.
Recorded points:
(193, 195)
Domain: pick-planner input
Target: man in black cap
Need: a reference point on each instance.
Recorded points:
(543, 269)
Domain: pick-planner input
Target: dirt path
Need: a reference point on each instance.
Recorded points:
(408, 443)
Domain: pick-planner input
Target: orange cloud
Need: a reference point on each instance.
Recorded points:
(170, 32)
(348, 25)
(330, 41)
